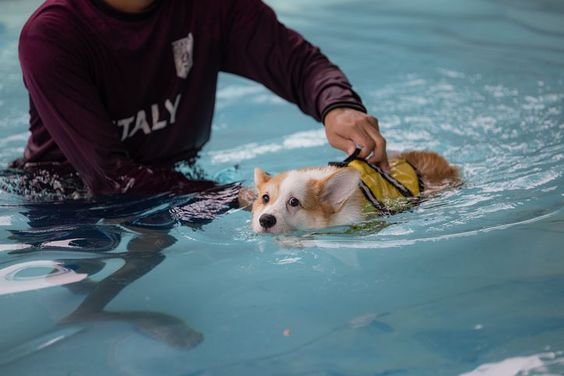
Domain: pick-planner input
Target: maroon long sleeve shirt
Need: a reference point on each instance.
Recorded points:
(121, 97)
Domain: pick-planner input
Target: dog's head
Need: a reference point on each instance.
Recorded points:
(305, 199)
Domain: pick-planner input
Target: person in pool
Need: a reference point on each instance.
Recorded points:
(121, 90)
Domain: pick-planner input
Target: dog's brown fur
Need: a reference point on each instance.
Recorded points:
(329, 195)
(434, 169)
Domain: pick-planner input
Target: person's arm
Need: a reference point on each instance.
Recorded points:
(60, 83)
(260, 48)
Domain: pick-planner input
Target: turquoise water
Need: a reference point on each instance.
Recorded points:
(471, 282)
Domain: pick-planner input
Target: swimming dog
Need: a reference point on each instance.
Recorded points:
(347, 192)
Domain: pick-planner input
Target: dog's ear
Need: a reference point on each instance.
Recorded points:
(339, 186)
(261, 177)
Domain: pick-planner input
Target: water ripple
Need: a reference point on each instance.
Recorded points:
(36, 275)
(523, 365)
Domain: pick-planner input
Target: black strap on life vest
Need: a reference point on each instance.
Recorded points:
(370, 196)
(419, 178)
(348, 160)
(393, 181)
(390, 179)
(366, 191)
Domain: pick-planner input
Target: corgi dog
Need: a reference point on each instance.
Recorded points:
(346, 193)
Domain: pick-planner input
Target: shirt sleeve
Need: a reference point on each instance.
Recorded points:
(57, 75)
(259, 47)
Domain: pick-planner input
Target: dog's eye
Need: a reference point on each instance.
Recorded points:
(294, 202)
(265, 198)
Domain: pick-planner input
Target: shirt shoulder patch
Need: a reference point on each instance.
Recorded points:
(183, 50)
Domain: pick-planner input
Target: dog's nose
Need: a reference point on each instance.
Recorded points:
(267, 220)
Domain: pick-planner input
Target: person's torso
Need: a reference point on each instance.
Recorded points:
(155, 73)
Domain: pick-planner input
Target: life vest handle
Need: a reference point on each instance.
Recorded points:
(348, 160)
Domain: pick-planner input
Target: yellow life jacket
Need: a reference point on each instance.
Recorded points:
(387, 192)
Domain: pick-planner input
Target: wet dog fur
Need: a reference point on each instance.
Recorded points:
(319, 197)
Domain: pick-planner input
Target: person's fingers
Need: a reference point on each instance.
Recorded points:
(380, 156)
(342, 143)
(372, 120)
(349, 143)
(379, 151)
(367, 146)
(361, 138)
(365, 135)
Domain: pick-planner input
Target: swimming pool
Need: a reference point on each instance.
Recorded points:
(471, 282)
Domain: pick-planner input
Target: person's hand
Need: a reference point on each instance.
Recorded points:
(346, 129)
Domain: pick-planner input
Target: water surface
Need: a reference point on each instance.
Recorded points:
(471, 282)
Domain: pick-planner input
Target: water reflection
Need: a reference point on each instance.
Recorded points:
(143, 253)
(138, 261)
(134, 233)
(13, 278)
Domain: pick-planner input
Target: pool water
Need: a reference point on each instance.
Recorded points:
(468, 283)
